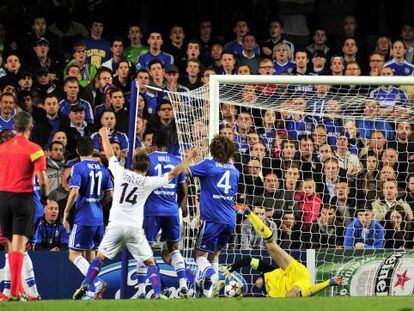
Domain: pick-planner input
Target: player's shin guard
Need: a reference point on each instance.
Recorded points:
(177, 261)
(6, 270)
(260, 227)
(153, 275)
(315, 289)
(93, 271)
(16, 264)
(141, 277)
(29, 277)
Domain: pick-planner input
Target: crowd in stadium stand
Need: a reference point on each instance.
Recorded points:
(318, 182)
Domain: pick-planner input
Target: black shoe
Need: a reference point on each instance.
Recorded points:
(80, 292)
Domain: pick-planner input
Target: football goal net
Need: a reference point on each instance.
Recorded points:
(325, 161)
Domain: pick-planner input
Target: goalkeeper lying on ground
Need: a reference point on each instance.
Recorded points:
(291, 279)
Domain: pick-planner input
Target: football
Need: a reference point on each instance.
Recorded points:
(233, 288)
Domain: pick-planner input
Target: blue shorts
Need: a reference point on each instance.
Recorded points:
(214, 236)
(170, 226)
(85, 238)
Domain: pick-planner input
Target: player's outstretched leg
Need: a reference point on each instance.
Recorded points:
(142, 279)
(314, 289)
(281, 258)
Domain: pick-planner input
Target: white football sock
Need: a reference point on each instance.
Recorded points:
(82, 264)
(177, 261)
(6, 269)
(28, 275)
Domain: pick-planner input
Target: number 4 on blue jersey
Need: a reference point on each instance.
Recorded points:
(219, 185)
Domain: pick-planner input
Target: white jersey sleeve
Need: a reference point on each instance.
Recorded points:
(155, 182)
(115, 167)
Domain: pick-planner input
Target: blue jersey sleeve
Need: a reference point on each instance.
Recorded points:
(200, 170)
(76, 179)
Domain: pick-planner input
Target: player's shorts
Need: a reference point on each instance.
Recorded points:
(213, 236)
(279, 282)
(16, 213)
(170, 226)
(85, 238)
(117, 236)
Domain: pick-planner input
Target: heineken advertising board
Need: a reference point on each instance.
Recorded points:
(367, 272)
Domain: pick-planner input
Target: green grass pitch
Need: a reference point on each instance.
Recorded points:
(308, 304)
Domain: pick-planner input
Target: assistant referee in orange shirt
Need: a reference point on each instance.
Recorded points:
(20, 160)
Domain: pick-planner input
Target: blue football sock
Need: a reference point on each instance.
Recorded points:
(93, 271)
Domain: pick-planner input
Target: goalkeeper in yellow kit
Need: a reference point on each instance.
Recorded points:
(291, 279)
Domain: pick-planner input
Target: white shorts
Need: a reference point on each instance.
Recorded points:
(119, 235)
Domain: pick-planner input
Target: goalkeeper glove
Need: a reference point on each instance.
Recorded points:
(242, 209)
(335, 281)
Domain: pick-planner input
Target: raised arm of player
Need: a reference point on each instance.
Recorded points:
(107, 148)
(191, 155)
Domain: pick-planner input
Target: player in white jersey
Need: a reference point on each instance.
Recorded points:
(131, 189)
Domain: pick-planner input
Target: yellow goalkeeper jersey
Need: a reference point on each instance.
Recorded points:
(278, 282)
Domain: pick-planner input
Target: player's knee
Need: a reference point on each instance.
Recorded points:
(73, 255)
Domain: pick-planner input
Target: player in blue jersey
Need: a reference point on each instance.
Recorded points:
(219, 184)
(7, 111)
(162, 213)
(398, 64)
(90, 185)
(155, 42)
(282, 62)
